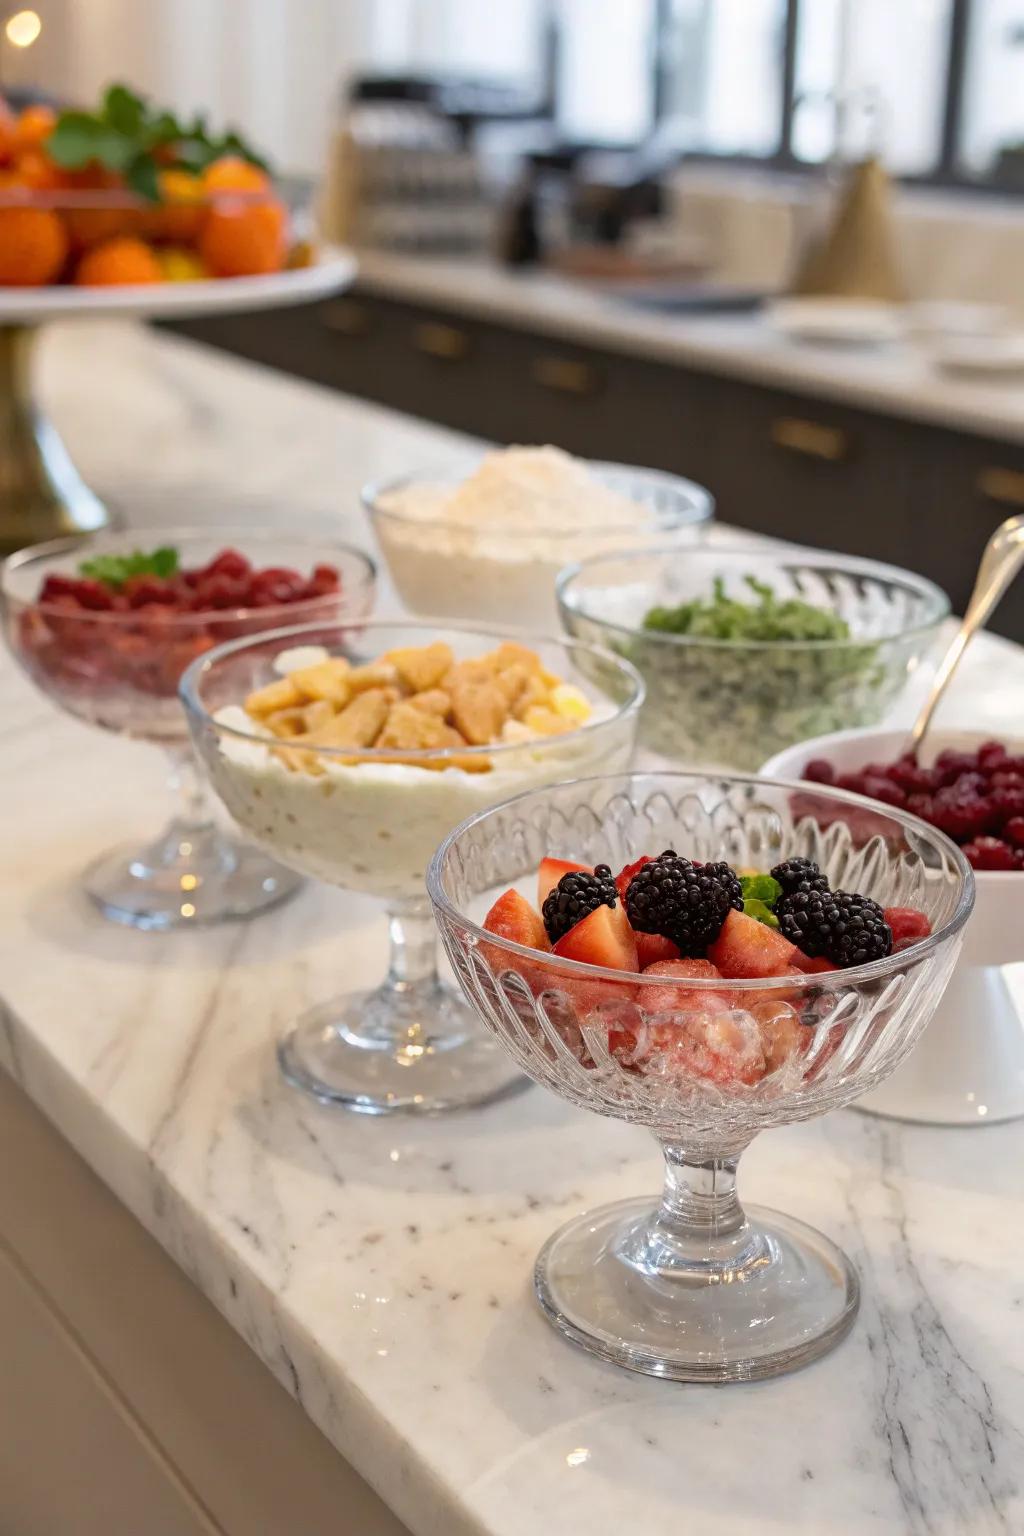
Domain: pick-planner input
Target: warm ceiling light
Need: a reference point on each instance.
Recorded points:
(23, 28)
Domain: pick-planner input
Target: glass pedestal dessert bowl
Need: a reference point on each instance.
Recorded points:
(106, 626)
(349, 752)
(705, 1052)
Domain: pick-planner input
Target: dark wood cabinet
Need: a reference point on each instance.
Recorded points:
(778, 462)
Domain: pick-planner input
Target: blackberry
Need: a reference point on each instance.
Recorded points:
(842, 927)
(683, 901)
(575, 896)
(799, 875)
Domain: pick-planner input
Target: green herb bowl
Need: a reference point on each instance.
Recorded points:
(719, 701)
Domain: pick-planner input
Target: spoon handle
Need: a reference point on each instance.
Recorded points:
(1002, 559)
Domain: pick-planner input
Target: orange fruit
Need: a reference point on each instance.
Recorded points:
(179, 216)
(244, 239)
(33, 127)
(33, 247)
(89, 226)
(114, 262)
(233, 174)
(35, 169)
(178, 264)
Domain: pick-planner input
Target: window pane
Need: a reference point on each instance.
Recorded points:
(994, 87)
(722, 71)
(605, 84)
(889, 63)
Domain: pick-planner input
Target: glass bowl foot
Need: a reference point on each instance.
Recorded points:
(792, 1295)
(186, 880)
(417, 1050)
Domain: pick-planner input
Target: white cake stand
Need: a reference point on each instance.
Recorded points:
(42, 496)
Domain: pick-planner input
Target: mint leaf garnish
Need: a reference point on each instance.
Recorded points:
(115, 570)
(760, 893)
(759, 911)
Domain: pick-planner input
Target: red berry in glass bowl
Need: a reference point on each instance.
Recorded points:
(1014, 832)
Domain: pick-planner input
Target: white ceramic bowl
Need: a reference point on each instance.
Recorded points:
(968, 1068)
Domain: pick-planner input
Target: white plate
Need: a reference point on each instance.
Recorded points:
(968, 1068)
(333, 270)
(842, 322)
(981, 357)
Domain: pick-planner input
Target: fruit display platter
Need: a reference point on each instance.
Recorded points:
(42, 495)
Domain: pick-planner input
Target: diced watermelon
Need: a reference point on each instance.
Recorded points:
(551, 871)
(678, 999)
(908, 925)
(814, 967)
(747, 948)
(652, 949)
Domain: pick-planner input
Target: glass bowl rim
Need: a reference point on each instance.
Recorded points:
(23, 559)
(813, 981)
(852, 564)
(191, 678)
(702, 509)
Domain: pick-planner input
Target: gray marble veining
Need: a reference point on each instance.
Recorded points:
(381, 1269)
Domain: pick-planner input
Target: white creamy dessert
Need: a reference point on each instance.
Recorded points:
(371, 825)
(491, 546)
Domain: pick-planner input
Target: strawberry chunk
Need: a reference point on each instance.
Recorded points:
(551, 871)
(908, 925)
(747, 948)
(653, 949)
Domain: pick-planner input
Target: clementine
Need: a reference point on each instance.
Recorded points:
(179, 216)
(6, 132)
(233, 174)
(33, 247)
(116, 262)
(33, 127)
(244, 239)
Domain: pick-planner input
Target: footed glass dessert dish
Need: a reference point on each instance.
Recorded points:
(106, 626)
(349, 752)
(696, 1287)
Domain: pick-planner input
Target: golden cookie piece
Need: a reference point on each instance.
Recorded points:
(359, 723)
(545, 722)
(326, 680)
(287, 722)
(422, 666)
(434, 701)
(469, 762)
(535, 692)
(479, 711)
(281, 694)
(511, 654)
(416, 731)
(376, 674)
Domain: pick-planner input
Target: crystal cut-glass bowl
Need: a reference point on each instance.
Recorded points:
(697, 1288)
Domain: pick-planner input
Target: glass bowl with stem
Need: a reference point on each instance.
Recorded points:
(368, 820)
(118, 668)
(694, 1287)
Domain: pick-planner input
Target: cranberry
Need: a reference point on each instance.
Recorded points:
(1003, 779)
(854, 782)
(884, 790)
(990, 853)
(950, 765)
(1014, 831)
(959, 816)
(909, 775)
(990, 755)
(1007, 804)
(921, 805)
(819, 771)
(230, 562)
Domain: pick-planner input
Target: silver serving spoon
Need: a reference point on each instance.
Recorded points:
(1003, 558)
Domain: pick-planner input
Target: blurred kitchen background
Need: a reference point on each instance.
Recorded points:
(575, 219)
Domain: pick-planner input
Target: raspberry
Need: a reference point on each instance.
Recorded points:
(843, 927)
(960, 816)
(990, 754)
(1006, 804)
(1014, 831)
(574, 897)
(990, 853)
(909, 775)
(685, 902)
(230, 562)
(950, 765)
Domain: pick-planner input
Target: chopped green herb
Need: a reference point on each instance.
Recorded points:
(761, 912)
(726, 618)
(115, 570)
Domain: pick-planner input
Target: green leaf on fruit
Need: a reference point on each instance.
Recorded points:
(760, 912)
(115, 570)
(760, 888)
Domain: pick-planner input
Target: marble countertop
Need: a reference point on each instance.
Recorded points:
(897, 380)
(381, 1269)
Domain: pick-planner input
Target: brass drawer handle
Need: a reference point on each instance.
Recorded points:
(811, 438)
(347, 318)
(443, 341)
(1005, 486)
(567, 375)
